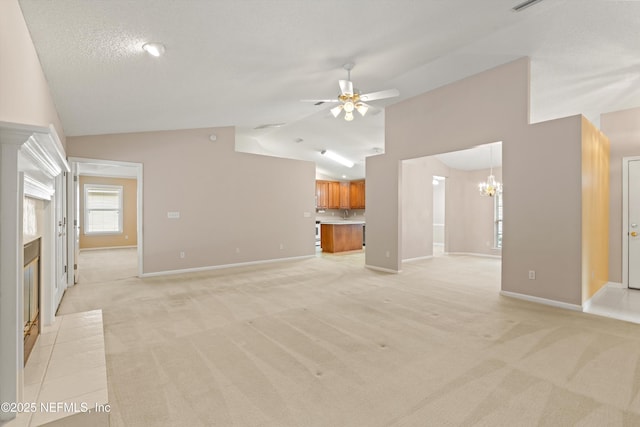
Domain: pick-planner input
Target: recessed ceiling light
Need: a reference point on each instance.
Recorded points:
(153, 48)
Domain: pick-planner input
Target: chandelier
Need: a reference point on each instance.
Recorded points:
(491, 186)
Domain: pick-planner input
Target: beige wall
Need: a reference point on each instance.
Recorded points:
(468, 215)
(417, 205)
(542, 201)
(129, 235)
(623, 130)
(595, 209)
(234, 207)
(24, 92)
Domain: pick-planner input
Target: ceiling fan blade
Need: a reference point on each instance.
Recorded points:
(390, 93)
(346, 87)
(319, 101)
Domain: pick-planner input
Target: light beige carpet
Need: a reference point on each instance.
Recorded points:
(326, 342)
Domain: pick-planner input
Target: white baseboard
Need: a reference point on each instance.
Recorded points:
(220, 267)
(475, 254)
(615, 285)
(586, 306)
(385, 270)
(545, 301)
(420, 258)
(108, 247)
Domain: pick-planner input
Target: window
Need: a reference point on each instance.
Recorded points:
(498, 220)
(102, 209)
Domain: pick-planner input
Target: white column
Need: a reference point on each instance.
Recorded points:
(11, 260)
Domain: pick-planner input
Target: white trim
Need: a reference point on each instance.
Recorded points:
(420, 258)
(139, 200)
(108, 247)
(586, 305)
(385, 270)
(36, 189)
(545, 301)
(625, 218)
(223, 266)
(41, 160)
(616, 285)
(474, 254)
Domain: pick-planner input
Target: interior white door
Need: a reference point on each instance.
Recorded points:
(76, 221)
(61, 237)
(633, 232)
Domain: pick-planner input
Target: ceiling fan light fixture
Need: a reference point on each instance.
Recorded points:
(348, 116)
(348, 106)
(362, 108)
(336, 110)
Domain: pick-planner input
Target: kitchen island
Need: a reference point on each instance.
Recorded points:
(341, 235)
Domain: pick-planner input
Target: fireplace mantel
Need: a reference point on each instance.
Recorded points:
(31, 157)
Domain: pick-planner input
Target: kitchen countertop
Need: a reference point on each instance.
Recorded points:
(341, 221)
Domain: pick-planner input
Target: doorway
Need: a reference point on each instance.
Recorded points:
(439, 194)
(106, 209)
(631, 222)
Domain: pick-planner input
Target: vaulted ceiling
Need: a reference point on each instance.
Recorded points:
(248, 63)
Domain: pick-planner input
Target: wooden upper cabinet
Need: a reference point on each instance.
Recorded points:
(345, 190)
(334, 195)
(340, 195)
(357, 194)
(322, 194)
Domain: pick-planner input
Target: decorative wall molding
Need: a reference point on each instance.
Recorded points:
(30, 159)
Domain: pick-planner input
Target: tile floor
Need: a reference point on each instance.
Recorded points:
(67, 365)
(617, 302)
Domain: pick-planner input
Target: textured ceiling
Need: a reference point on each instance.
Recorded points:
(247, 63)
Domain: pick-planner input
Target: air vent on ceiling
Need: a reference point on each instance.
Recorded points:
(525, 5)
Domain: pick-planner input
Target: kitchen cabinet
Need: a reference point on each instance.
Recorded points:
(322, 194)
(341, 236)
(340, 195)
(357, 194)
(345, 189)
(334, 195)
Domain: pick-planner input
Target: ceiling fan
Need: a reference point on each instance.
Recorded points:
(351, 99)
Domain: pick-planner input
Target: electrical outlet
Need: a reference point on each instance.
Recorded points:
(532, 275)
